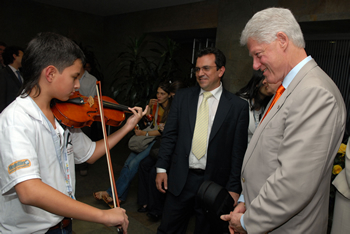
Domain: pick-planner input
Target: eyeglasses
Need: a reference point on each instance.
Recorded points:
(204, 68)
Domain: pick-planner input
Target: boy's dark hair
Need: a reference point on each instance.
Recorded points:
(8, 53)
(44, 50)
(220, 59)
(3, 44)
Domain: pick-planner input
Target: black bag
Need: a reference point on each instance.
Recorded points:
(215, 199)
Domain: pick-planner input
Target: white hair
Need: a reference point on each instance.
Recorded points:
(265, 24)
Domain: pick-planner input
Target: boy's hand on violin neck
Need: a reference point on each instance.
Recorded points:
(136, 117)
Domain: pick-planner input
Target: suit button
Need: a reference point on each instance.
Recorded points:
(243, 179)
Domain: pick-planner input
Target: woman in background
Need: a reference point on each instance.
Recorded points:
(159, 109)
(258, 94)
(148, 196)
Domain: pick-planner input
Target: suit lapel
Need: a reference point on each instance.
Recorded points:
(221, 112)
(13, 76)
(278, 105)
(192, 107)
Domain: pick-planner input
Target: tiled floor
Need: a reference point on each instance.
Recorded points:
(97, 180)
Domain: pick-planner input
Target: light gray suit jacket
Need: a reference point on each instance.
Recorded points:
(287, 166)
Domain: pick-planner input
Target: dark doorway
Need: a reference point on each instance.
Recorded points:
(190, 42)
(328, 42)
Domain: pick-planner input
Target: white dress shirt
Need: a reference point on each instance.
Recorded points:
(213, 103)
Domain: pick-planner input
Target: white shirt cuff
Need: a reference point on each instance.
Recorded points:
(240, 199)
(161, 170)
(242, 222)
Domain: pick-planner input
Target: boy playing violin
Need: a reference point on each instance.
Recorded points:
(37, 154)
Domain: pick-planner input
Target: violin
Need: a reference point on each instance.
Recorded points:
(80, 111)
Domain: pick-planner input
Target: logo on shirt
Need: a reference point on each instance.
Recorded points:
(18, 165)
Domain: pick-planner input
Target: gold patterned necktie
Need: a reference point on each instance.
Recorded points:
(200, 135)
(278, 94)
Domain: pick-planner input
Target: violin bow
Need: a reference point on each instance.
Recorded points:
(109, 161)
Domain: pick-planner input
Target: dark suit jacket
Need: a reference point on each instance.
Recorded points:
(9, 87)
(227, 141)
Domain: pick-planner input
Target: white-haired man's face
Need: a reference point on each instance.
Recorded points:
(269, 58)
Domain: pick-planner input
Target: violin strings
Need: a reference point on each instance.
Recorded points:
(113, 105)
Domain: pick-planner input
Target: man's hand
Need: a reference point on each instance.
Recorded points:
(235, 197)
(240, 208)
(234, 222)
(162, 178)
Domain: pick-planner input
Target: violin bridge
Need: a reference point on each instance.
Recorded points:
(90, 100)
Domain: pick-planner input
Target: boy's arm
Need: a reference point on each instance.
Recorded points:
(115, 137)
(34, 192)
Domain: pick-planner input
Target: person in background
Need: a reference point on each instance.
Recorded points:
(175, 86)
(258, 94)
(148, 197)
(287, 167)
(37, 154)
(87, 88)
(159, 109)
(87, 67)
(10, 77)
(205, 138)
(2, 48)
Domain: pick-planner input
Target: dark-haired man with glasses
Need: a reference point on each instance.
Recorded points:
(205, 138)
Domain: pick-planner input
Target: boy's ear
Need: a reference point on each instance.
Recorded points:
(50, 73)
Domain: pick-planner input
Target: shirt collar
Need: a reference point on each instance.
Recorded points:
(31, 108)
(290, 76)
(216, 92)
(13, 69)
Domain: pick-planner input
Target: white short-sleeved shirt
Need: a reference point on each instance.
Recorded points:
(27, 151)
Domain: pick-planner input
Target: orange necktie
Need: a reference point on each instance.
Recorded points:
(278, 94)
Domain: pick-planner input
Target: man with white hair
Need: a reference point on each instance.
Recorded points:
(287, 166)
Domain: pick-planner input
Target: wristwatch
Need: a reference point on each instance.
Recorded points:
(146, 133)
